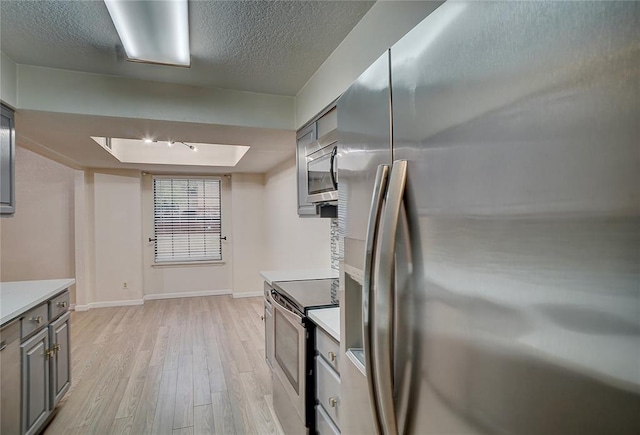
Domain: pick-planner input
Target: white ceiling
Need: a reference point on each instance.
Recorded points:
(66, 138)
(262, 46)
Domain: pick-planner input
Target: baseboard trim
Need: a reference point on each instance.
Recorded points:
(108, 304)
(247, 294)
(156, 296)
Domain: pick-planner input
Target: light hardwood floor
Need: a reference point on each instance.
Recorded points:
(175, 366)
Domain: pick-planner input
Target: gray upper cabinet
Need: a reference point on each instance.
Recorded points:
(305, 137)
(7, 156)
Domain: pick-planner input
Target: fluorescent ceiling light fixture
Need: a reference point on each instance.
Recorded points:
(153, 31)
(160, 152)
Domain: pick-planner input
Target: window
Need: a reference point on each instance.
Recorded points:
(187, 219)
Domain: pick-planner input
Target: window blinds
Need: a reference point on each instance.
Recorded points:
(187, 219)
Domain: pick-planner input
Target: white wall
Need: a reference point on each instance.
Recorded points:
(8, 80)
(292, 242)
(56, 90)
(118, 236)
(160, 281)
(248, 233)
(381, 27)
(37, 242)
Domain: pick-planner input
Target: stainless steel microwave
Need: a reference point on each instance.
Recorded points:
(322, 169)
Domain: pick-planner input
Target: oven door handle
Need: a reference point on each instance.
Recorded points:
(295, 317)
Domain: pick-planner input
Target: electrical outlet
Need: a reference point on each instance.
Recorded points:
(125, 285)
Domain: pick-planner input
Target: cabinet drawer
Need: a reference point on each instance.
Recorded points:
(328, 348)
(35, 319)
(324, 425)
(328, 389)
(59, 305)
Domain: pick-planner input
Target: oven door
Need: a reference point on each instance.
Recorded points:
(322, 174)
(290, 349)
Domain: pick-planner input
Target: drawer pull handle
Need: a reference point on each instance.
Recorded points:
(56, 348)
(50, 353)
(333, 402)
(62, 304)
(262, 318)
(332, 356)
(37, 320)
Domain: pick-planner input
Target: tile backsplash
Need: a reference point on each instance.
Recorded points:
(335, 245)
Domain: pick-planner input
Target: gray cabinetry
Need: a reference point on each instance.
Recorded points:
(305, 137)
(10, 378)
(327, 384)
(35, 381)
(35, 365)
(60, 362)
(7, 156)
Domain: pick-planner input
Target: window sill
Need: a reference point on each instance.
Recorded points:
(189, 264)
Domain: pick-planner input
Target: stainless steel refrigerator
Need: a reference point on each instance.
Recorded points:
(489, 204)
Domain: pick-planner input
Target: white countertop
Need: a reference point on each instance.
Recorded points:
(17, 297)
(327, 319)
(272, 276)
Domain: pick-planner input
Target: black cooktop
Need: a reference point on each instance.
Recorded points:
(309, 294)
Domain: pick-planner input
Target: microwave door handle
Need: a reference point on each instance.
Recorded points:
(333, 159)
(385, 298)
(368, 300)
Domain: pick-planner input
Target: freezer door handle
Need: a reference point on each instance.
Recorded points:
(379, 189)
(384, 287)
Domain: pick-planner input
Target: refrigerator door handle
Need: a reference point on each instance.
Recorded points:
(384, 299)
(368, 301)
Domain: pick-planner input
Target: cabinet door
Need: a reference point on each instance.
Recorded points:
(10, 378)
(304, 137)
(35, 382)
(7, 155)
(60, 367)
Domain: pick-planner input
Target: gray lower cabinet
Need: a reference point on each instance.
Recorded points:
(35, 381)
(35, 365)
(60, 364)
(327, 384)
(10, 378)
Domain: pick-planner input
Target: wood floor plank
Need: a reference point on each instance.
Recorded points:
(260, 413)
(184, 431)
(222, 414)
(104, 420)
(135, 385)
(242, 417)
(183, 410)
(201, 388)
(160, 347)
(217, 380)
(172, 356)
(203, 420)
(121, 426)
(163, 419)
(146, 410)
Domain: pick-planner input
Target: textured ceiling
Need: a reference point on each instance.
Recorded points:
(261, 46)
